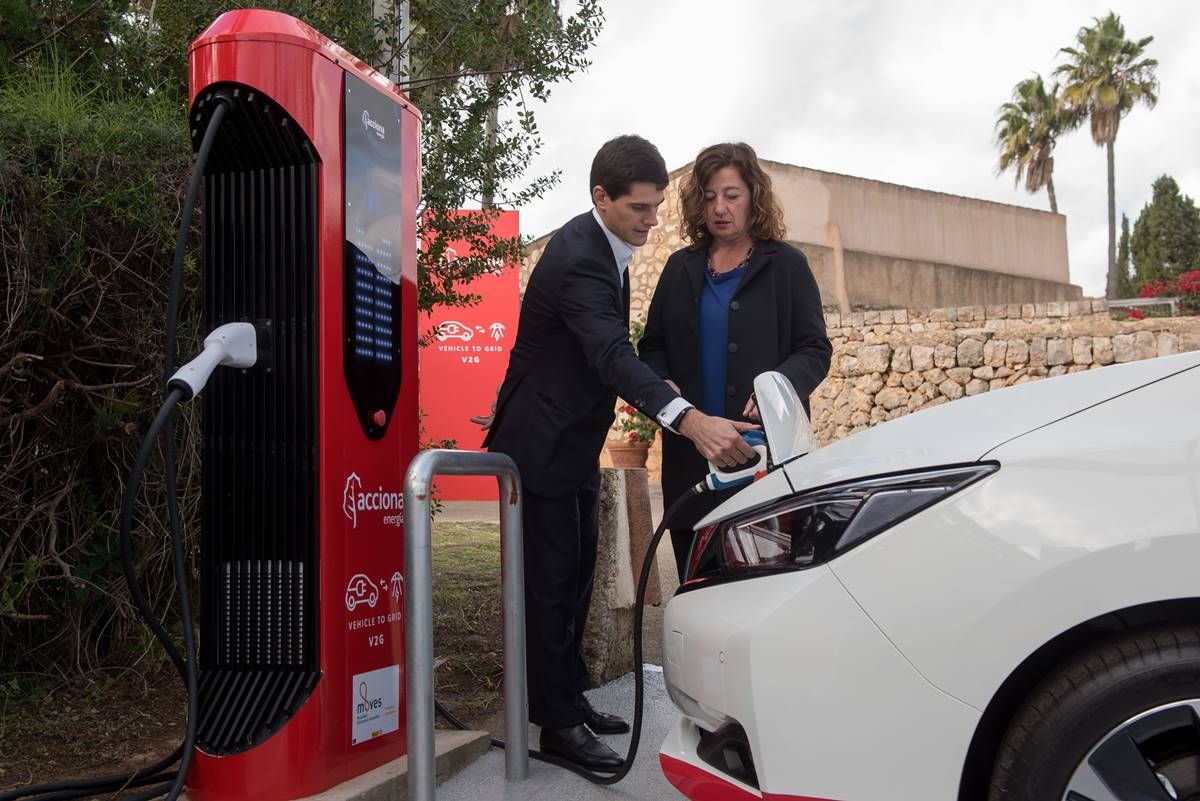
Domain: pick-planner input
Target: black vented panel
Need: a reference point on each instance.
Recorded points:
(258, 657)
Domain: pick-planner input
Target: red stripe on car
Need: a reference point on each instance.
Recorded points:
(700, 785)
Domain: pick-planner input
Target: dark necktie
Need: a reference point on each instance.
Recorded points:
(625, 295)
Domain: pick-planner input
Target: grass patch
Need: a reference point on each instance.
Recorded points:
(468, 628)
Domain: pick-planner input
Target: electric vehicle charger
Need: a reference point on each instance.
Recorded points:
(226, 345)
(732, 478)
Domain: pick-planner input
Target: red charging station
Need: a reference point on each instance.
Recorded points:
(309, 220)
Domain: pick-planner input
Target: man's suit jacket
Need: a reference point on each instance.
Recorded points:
(571, 359)
(775, 323)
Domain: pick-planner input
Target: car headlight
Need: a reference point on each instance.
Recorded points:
(810, 529)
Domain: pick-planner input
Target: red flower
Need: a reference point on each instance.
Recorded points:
(633, 436)
(1189, 283)
(1136, 314)
(1153, 289)
(628, 409)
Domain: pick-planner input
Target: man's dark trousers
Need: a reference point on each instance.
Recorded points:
(560, 560)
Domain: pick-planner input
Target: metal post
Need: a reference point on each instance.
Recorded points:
(418, 611)
(381, 10)
(402, 36)
(512, 577)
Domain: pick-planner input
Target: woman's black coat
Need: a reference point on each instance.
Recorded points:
(775, 323)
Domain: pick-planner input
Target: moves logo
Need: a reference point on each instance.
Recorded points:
(374, 704)
(355, 499)
(366, 702)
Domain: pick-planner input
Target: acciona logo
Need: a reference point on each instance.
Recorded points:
(356, 501)
(373, 125)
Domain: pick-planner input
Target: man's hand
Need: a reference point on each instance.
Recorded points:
(718, 440)
(484, 421)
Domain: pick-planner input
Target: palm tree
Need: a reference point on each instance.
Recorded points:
(1027, 128)
(1104, 78)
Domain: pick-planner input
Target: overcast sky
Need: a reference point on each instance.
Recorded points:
(903, 91)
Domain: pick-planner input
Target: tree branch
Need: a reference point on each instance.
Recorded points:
(17, 362)
(421, 83)
(115, 385)
(62, 28)
(51, 398)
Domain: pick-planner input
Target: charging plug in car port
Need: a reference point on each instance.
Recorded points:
(728, 750)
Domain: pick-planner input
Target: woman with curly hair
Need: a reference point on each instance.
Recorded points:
(736, 302)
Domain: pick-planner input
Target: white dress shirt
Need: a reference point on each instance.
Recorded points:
(623, 254)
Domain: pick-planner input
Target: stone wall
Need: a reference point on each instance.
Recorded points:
(887, 364)
(626, 527)
(890, 363)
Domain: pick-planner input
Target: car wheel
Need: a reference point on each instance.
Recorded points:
(1119, 722)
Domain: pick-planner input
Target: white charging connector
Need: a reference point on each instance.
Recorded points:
(231, 345)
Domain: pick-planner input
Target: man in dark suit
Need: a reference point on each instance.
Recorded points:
(571, 358)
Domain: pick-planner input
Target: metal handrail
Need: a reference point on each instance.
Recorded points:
(1173, 302)
(418, 611)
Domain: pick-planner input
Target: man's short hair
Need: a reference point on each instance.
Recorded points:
(624, 161)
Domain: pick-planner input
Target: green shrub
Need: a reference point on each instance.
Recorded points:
(90, 194)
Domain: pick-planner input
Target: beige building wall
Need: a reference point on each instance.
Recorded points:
(921, 226)
(879, 245)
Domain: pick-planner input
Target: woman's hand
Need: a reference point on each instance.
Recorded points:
(751, 410)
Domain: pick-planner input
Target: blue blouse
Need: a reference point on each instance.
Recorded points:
(714, 337)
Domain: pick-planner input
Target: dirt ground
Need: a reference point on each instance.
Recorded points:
(117, 723)
(90, 728)
(120, 722)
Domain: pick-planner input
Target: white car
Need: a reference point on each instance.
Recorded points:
(997, 599)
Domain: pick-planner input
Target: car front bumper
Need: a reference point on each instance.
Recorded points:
(830, 709)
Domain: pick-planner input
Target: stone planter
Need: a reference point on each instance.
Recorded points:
(628, 454)
(626, 527)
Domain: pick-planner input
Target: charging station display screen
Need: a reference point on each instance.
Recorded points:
(372, 254)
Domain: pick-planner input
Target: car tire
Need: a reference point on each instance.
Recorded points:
(1134, 695)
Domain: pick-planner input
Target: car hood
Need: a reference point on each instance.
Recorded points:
(965, 430)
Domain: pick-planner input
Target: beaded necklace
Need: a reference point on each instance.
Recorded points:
(708, 265)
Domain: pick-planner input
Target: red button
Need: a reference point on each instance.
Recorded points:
(380, 418)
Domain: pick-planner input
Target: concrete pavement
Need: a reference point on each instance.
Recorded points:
(483, 780)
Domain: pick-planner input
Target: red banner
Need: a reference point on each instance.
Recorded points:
(462, 367)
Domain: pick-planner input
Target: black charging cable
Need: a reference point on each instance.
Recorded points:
(639, 690)
(170, 782)
(191, 680)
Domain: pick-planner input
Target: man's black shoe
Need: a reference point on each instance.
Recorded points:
(577, 744)
(600, 722)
